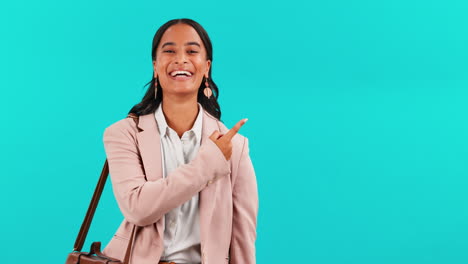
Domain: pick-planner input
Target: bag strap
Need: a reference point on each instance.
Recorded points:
(80, 239)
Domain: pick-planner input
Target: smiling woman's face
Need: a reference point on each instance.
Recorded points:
(181, 49)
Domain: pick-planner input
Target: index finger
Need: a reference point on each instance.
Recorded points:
(230, 134)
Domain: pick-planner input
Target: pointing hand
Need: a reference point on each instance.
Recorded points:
(224, 141)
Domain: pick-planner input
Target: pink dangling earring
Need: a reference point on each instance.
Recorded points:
(155, 87)
(207, 91)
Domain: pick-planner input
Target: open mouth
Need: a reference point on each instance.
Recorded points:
(180, 75)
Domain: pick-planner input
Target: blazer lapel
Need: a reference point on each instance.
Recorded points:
(149, 144)
(207, 198)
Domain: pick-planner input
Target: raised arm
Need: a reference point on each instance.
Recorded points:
(245, 202)
(144, 202)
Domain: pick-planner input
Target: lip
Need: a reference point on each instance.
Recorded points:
(180, 78)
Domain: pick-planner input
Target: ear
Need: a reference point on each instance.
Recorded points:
(154, 69)
(208, 65)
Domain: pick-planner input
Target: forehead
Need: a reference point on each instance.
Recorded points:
(180, 34)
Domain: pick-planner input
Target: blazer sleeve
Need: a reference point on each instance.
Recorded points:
(144, 202)
(245, 203)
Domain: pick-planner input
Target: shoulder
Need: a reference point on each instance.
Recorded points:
(123, 127)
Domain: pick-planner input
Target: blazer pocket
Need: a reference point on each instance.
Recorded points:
(122, 237)
(116, 247)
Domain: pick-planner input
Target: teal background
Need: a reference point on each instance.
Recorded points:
(357, 121)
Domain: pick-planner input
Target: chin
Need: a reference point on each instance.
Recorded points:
(184, 89)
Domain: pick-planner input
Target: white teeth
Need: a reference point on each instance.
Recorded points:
(174, 73)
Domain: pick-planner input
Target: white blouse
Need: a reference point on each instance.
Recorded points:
(182, 227)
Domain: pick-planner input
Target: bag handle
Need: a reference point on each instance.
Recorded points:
(80, 239)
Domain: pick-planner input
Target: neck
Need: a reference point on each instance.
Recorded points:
(180, 115)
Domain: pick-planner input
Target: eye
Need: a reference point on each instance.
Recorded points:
(168, 51)
(193, 51)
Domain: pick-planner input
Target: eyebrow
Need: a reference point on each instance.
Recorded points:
(186, 44)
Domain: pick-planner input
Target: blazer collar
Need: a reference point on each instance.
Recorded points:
(163, 127)
(149, 141)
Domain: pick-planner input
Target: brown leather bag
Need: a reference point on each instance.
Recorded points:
(95, 256)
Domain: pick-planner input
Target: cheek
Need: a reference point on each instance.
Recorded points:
(161, 63)
(201, 65)
(160, 69)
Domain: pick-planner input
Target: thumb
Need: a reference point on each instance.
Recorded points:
(214, 135)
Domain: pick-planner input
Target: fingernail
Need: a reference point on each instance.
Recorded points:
(245, 120)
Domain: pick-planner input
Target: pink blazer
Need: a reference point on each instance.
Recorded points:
(228, 200)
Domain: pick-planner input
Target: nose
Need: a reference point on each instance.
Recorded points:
(181, 58)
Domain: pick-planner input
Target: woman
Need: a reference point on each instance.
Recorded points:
(178, 174)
